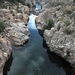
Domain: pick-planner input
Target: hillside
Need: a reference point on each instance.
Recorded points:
(57, 20)
(13, 28)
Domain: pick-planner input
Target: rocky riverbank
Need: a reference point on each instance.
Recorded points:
(16, 33)
(5, 52)
(58, 23)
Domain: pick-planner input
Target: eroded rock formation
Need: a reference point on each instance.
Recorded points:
(58, 22)
(5, 52)
(14, 18)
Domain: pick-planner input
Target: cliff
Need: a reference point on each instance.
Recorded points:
(57, 20)
(14, 18)
(5, 52)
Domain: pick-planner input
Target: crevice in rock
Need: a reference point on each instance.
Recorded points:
(7, 65)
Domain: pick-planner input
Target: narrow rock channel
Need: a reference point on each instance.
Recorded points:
(34, 59)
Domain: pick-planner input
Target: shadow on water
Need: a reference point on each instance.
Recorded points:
(7, 65)
(59, 61)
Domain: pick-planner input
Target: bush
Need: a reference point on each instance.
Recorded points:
(58, 27)
(28, 4)
(49, 25)
(14, 1)
(68, 11)
(1, 26)
(74, 1)
(67, 22)
(1, 1)
(59, 3)
(68, 31)
(68, 53)
(55, 15)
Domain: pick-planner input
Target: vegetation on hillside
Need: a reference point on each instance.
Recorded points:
(73, 0)
(14, 1)
(2, 27)
(49, 24)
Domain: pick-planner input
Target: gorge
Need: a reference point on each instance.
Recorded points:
(44, 48)
(35, 58)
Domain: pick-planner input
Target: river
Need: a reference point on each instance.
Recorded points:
(34, 59)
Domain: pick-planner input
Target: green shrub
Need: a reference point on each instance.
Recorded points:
(59, 3)
(68, 11)
(67, 22)
(14, 1)
(60, 19)
(58, 27)
(28, 4)
(49, 25)
(1, 1)
(73, 0)
(11, 11)
(68, 53)
(68, 31)
(1, 26)
(55, 15)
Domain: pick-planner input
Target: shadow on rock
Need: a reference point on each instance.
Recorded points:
(7, 65)
(59, 61)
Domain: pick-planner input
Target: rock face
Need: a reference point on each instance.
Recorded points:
(60, 37)
(14, 18)
(18, 33)
(31, 2)
(15, 21)
(5, 52)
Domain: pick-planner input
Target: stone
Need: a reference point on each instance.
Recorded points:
(16, 32)
(5, 52)
(61, 37)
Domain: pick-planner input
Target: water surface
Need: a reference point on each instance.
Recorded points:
(32, 59)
